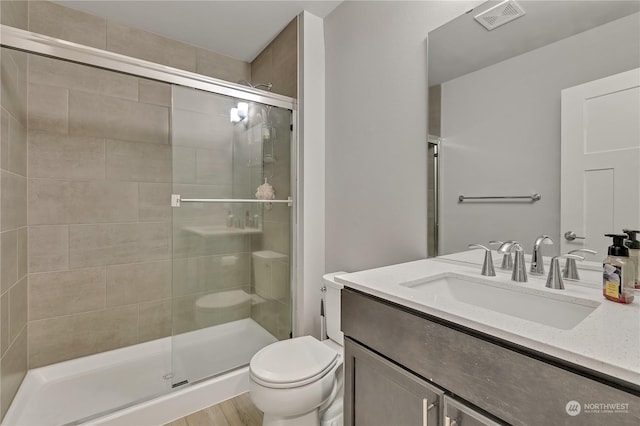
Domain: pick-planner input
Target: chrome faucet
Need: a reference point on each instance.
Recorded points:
(507, 259)
(519, 273)
(554, 280)
(537, 265)
(487, 265)
(570, 271)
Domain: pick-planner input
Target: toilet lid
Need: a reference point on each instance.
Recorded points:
(293, 362)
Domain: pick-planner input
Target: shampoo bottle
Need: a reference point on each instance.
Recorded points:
(634, 253)
(618, 273)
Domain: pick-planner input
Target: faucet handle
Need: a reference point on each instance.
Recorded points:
(487, 265)
(570, 271)
(507, 259)
(554, 280)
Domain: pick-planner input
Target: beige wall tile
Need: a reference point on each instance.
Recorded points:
(154, 92)
(58, 339)
(262, 66)
(155, 320)
(188, 273)
(8, 259)
(277, 63)
(276, 236)
(140, 162)
(14, 14)
(103, 116)
(13, 82)
(188, 99)
(17, 308)
(48, 108)
(66, 157)
(214, 166)
(53, 202)
(154, 202)
(17, 147)
(111, 244)
(13, 368)
(4, 323)
(150, 47)
(222, 67)
(53, 294)
(183, 310)
(138, 282)
(49, 248)
(235, 270)
(4, 138)
(184, 164)
(54, 72)
(23, 252)
(285, 61)
(199, 130)
(68, 24)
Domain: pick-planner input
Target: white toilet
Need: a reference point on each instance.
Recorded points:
(299, 382)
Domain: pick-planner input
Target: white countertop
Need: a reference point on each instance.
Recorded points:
(607, 340)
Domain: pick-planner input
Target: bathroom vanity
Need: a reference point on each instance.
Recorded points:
(432, 342)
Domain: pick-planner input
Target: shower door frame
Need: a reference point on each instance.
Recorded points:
(34, 43)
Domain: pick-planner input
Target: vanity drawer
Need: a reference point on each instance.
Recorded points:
(513, 386)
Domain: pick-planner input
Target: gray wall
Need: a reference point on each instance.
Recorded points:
(501, 130)
(376, 109)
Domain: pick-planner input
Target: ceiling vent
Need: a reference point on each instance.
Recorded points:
(500, 14)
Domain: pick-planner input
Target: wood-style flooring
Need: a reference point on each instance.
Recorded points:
(238, 411)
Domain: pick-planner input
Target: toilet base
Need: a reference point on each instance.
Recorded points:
(309, 419)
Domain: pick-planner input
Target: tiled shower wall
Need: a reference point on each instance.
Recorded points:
(99, 221)
(13, 224)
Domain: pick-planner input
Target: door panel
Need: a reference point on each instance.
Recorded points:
(600, 160)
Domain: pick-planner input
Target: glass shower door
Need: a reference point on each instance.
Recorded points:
(231, 289)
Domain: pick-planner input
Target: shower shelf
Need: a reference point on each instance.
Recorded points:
(213, 231)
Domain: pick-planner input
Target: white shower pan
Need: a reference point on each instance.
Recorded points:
(82, 390)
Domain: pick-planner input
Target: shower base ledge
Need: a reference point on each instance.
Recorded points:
(82, 390)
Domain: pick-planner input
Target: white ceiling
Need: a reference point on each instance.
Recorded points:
(462, 45)
(239, 29)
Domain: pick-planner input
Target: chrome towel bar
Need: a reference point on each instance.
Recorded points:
(533, 197)
(176, 200)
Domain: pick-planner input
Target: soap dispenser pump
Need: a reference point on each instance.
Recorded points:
(634, 252)
(618, 273)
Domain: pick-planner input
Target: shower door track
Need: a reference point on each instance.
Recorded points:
(15, 38)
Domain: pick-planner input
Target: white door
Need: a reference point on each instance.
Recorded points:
(600, 161)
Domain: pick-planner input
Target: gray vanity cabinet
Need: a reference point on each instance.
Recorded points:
(395, 356)
(457, 414)
(379, 393)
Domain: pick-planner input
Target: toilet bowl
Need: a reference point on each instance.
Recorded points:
(225, 306)
(299, 382)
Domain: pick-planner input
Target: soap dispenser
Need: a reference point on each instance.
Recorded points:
(634, 253)
(618, 275)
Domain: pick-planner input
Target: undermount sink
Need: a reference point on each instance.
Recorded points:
(539, 306)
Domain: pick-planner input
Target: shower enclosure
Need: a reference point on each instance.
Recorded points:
(149, 252)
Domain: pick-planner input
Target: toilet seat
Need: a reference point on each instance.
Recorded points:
(292, 363)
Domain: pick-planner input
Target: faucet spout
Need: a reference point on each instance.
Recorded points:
(537, 265)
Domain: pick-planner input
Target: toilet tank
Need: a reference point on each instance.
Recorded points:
(332, 307)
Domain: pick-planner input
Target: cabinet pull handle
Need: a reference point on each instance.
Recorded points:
(425, 411)
(449, 422)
